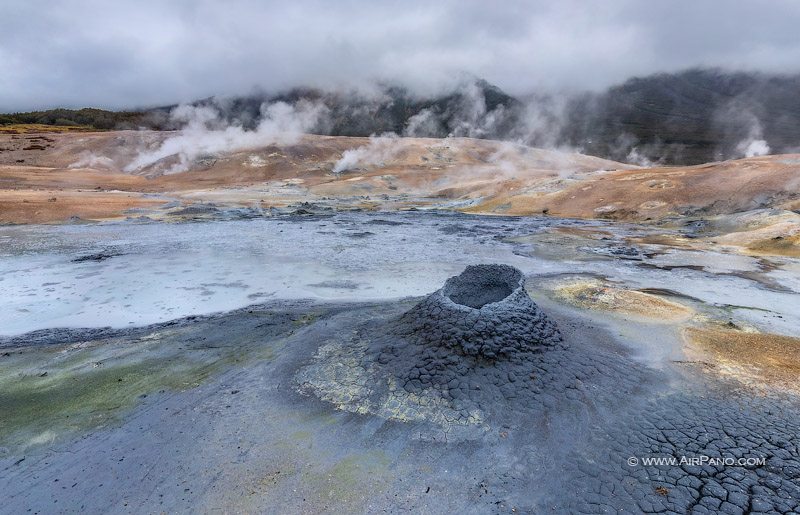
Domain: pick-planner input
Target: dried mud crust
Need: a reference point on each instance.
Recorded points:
(460, 355)
(569, 410)
(390, 371)
(686, 428)
(581, 411)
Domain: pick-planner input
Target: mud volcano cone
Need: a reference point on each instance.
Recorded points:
(484, 312)
(480, 328)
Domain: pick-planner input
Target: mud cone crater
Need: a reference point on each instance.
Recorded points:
(485, 313)
(478, 336)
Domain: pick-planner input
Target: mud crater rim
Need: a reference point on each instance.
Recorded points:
(481, 285)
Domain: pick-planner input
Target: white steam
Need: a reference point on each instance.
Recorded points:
(472, 120)
(468, 118)
(754, 144)
(380, 150)
(543, 121)
(537, 121)
(741, 121)
(88, 160)
(424, 124)
(635, 157)
(754, 148)
(205, 133)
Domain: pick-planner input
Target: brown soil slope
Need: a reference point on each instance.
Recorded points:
(471, 175)
(636, 195)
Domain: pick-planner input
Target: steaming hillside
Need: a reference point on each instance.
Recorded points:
(687, 118)
(692, 117)
(50, 178)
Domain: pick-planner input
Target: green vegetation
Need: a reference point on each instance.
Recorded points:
(88, 118)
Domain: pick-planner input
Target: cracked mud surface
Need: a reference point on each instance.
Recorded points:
(561, 441)
(467, 350)
(302, 407)
(581, 410)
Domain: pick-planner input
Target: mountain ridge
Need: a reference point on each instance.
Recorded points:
(685, 118)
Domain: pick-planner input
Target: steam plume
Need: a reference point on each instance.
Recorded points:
(205, 133)
(380, 150)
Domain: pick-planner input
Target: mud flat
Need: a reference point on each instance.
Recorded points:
(268, 408)
(336, 367)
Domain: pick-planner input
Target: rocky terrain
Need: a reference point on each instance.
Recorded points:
(381, 324)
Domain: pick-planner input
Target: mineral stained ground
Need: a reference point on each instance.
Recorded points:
(500, 392)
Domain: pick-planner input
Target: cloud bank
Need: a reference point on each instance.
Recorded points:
(131, 54)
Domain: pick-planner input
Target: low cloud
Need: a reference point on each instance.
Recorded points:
(131, 54)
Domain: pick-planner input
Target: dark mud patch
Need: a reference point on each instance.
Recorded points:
(97, 257)
(360, 234)
(196, 209)
(666, 292)
(386, 222)
(341, 284)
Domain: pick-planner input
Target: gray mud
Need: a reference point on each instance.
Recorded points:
(474, 399)
(253, 436)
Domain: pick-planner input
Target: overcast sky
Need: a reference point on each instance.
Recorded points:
(117, 54)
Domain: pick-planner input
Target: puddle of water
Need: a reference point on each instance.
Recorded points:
(166, 271)
(714, 262)
(162, 271)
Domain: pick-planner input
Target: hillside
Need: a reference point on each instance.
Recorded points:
(686, 118)
(50, 178)
(689, 118)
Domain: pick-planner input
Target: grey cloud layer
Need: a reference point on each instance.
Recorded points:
(115, 54)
